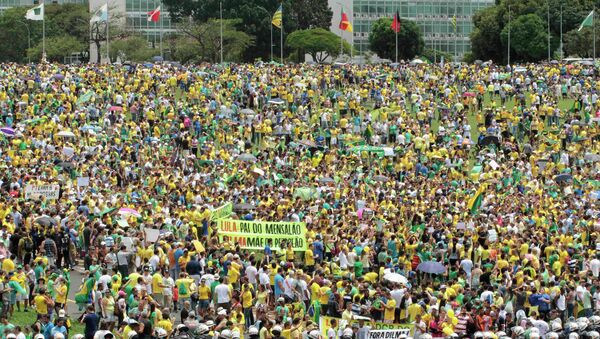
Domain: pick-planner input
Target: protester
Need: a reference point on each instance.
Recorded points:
(288, 201)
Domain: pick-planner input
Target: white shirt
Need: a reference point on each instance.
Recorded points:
(251, 274)
(222, 292)
(263, 278)
(153, 262)
(169, 284)
(595, 267)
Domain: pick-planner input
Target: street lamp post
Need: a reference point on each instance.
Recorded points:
(271, 26)
(28, 39)
(509, 35)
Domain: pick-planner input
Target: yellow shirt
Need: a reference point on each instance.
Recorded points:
(61, 294)
(8, 265)
(309, 258)
(247, 299)
(156, 283)
(203, 292)
(40, 304)
(390, 309)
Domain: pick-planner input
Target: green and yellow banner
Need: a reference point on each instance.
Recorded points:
(221, 212)
(254, 235)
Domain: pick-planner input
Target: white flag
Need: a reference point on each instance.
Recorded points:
(101, 14)
(36, 13)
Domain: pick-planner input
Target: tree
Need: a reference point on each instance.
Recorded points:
(61, 20)
(382, 39)
(256, 18)
(98, 32)
(319, 43)
(57, 48)
(485, 38)
(528, 38)
(133, 48)
(490, 22)
(202, 42)
(312, 14)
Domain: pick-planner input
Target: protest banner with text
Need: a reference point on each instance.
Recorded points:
(255, 234)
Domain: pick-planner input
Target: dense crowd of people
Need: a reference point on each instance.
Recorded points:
(448, 200)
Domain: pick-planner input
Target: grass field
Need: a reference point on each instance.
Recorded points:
(25, 319)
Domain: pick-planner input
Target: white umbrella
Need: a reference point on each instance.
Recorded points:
(417, 62)
(66, 134)
(395, 278)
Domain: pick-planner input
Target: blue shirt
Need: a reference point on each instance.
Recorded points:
(278, 279)
(178, 253)
(318, 249)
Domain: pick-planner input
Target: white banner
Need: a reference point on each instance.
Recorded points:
(36, 191)
(388, 334)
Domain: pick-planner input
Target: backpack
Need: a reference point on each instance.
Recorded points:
(28, 245)
(182, 289)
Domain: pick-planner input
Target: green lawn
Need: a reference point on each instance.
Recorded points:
(25, 319)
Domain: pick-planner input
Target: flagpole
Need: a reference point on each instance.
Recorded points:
(44, 33)
(107, 36)
(281, 36)
(594, 27)
(455, 24)
(271, 41)
(561, 33)
(221, 28)
(548, 18)
(161, 31)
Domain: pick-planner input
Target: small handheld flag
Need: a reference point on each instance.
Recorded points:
(396, 23)
(154, 15)
(278, 17)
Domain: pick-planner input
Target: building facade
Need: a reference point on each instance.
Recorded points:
(434, 17)
(4, 4)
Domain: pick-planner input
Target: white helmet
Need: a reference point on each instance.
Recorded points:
(347, 333)
(592, 334)
(225, 334)
(181, 328)
(583, 323)
(235, 334)
(453, 335)
(551, 335)
(160, 332)
(501, 334)
(253, 330)
(573, 336)
(595, 320)
(202, 329)
(314, 334)
(555, 325)
(534, 335)
(573, 326)
(478, 334)
(518, 330)
(425, 336)
(534, 330)
(57, 335)
(488, 334)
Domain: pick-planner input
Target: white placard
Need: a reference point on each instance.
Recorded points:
(36, 191)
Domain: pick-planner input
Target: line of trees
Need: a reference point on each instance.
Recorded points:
(529, 30)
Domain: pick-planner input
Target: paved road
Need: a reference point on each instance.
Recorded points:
(76, 278)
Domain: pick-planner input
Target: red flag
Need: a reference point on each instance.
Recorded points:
(154, 15)
(345, 24)
(396, 23)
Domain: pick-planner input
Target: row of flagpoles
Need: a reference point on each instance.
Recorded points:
(101, 15)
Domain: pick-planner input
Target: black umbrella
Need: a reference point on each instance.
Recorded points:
(45, 221)
(490, 139)
(563, 178)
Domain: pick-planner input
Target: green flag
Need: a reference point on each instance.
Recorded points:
(588, 21)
